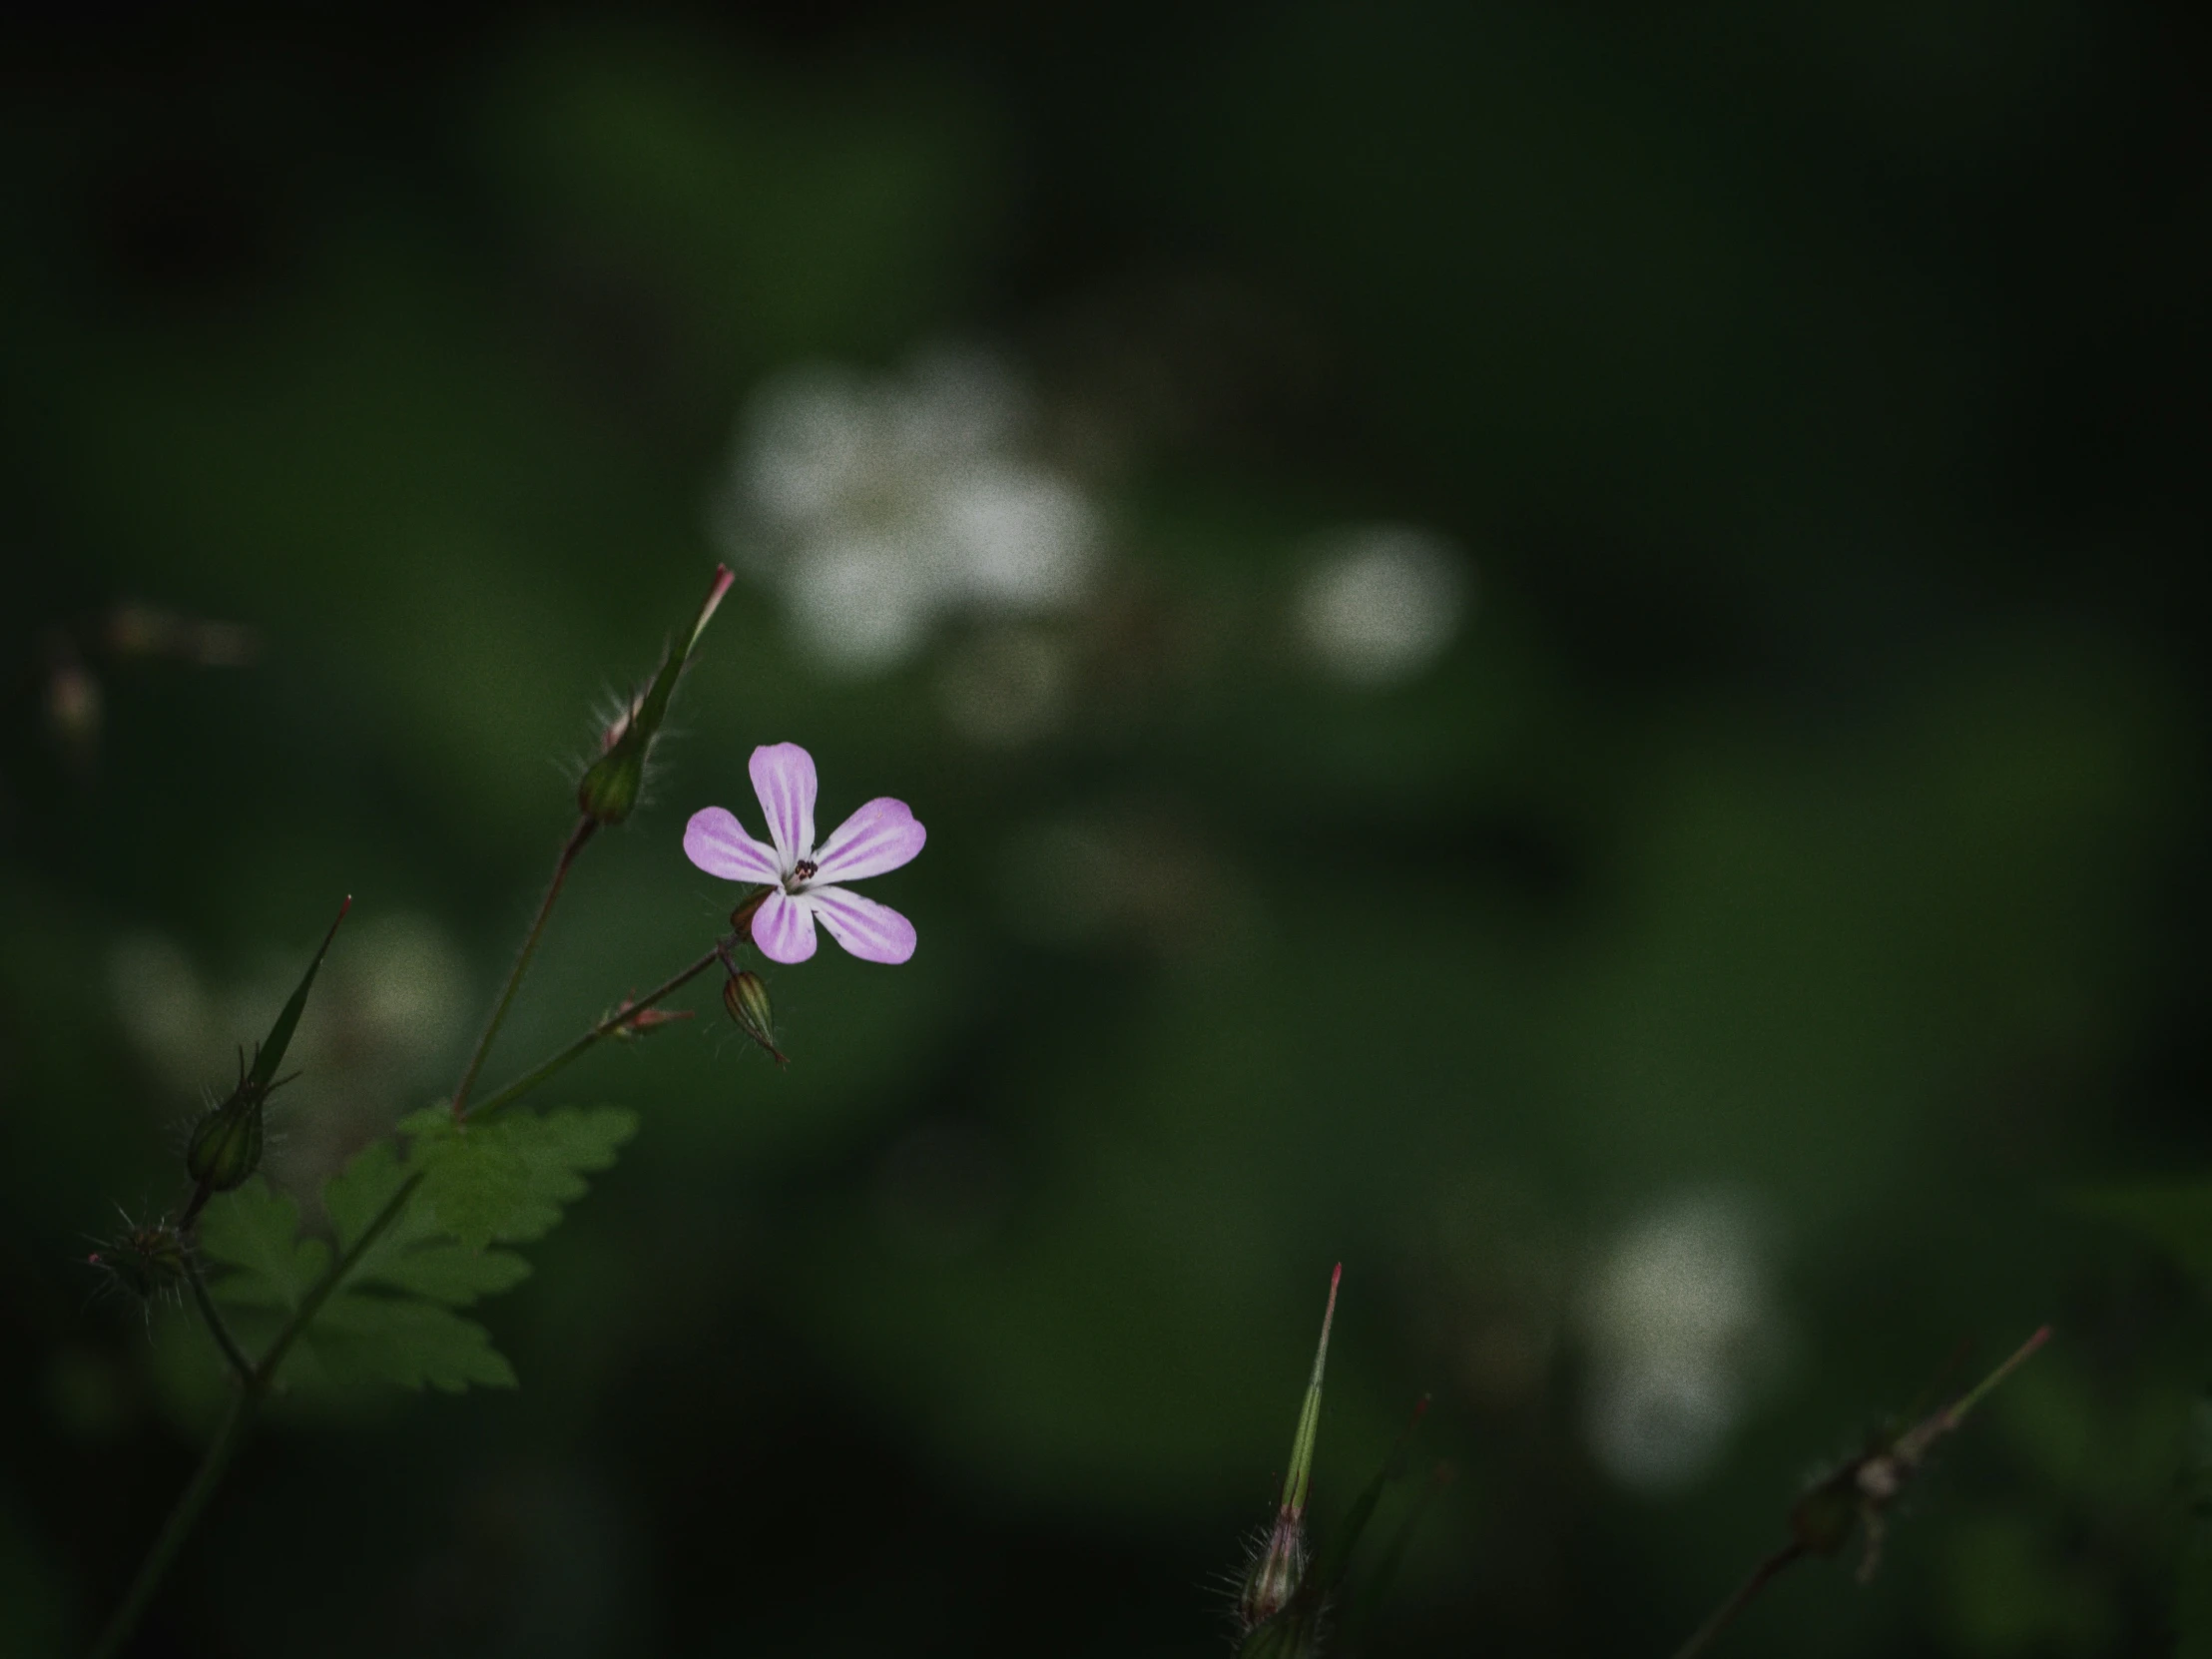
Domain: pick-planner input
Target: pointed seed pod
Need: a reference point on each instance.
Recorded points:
(609, 790)
(1279, 1574)
(225, 1145)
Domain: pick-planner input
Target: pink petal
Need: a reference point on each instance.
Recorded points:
(783, 928)
(716, 841)
(879, 836)
(872, 931)
(784, 779)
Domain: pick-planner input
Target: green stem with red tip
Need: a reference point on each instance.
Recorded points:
(641, 729)
(1309, 1418)
(1974, 1396)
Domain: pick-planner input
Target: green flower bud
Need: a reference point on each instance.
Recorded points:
(610, 789)
(745, 997)
(146, 1261)
(225, 1145)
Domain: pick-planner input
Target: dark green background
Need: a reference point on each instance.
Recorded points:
(1810, 813)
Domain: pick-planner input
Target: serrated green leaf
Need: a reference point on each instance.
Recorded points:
(407, 1341)
(453, 1274)
(507, 1180)
(363, 1187)
(504, 1180)
(417, 1253)
(255, 1231)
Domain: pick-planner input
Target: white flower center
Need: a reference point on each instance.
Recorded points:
(802, 874)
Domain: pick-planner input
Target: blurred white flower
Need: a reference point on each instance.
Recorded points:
(883, 505)
(1129, 875)
(1382, 602)
(1679, 1323)
(167, 1011)
(391, 1000)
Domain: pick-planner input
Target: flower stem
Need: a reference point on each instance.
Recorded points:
(1746, 1592)
(217, 1329)
(179, 1526)
(607, 1028)
(574, 845)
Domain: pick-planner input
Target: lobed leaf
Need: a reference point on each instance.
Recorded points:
(255, 1231)
(507, 1178)
(407, 1340)
(501, 1181)
(418, 1253)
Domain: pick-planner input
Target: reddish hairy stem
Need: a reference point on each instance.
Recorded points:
(575, 844)
(607, 1028)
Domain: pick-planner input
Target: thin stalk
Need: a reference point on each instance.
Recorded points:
(574, 845)
(607, 1028)
(1958, 1413)
(217, 1329)
(1761, 1575)
(179, 1526)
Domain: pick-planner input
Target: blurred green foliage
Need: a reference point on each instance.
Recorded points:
(1689, 1002)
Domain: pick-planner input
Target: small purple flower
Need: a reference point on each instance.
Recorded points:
(879, 836)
